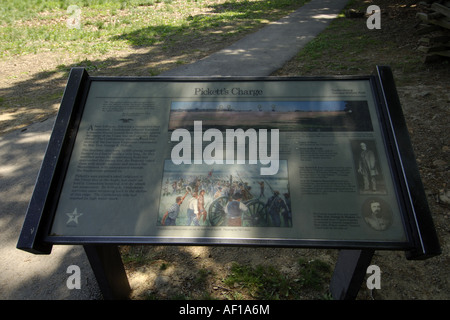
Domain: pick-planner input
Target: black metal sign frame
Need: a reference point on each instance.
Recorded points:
(421, 239)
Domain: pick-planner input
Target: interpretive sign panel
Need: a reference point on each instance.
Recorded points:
(265, 161)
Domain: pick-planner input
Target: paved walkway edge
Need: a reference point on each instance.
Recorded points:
(267, 50)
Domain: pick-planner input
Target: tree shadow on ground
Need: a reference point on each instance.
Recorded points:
(245, 15)
(37, 92)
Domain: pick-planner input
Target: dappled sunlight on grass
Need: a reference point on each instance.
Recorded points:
(122, 38)
(110, 25)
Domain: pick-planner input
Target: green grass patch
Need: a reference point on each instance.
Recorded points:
(30, 26)
(135, 256)
(313, 273)
(342, 48)
(348, 47)
(269, 283)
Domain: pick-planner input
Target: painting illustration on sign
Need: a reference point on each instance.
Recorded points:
(225, 195)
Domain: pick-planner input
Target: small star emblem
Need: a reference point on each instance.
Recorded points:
(73, 216)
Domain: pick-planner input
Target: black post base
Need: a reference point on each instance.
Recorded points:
(109, 271)
(349, 273)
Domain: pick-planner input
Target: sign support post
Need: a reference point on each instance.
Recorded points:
(349, 273)
(109, 271)
(112, 279)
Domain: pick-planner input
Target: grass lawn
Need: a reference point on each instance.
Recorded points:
(41, 40)
(101, 26)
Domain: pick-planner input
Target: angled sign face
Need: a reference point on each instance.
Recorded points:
(232, 161)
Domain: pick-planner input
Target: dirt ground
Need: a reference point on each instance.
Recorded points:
(170, 272)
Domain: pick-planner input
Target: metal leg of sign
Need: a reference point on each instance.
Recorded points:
(349, 273)
(106, 262)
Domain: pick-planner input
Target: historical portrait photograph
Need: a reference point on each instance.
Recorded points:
(377, 214)
(367, 167)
